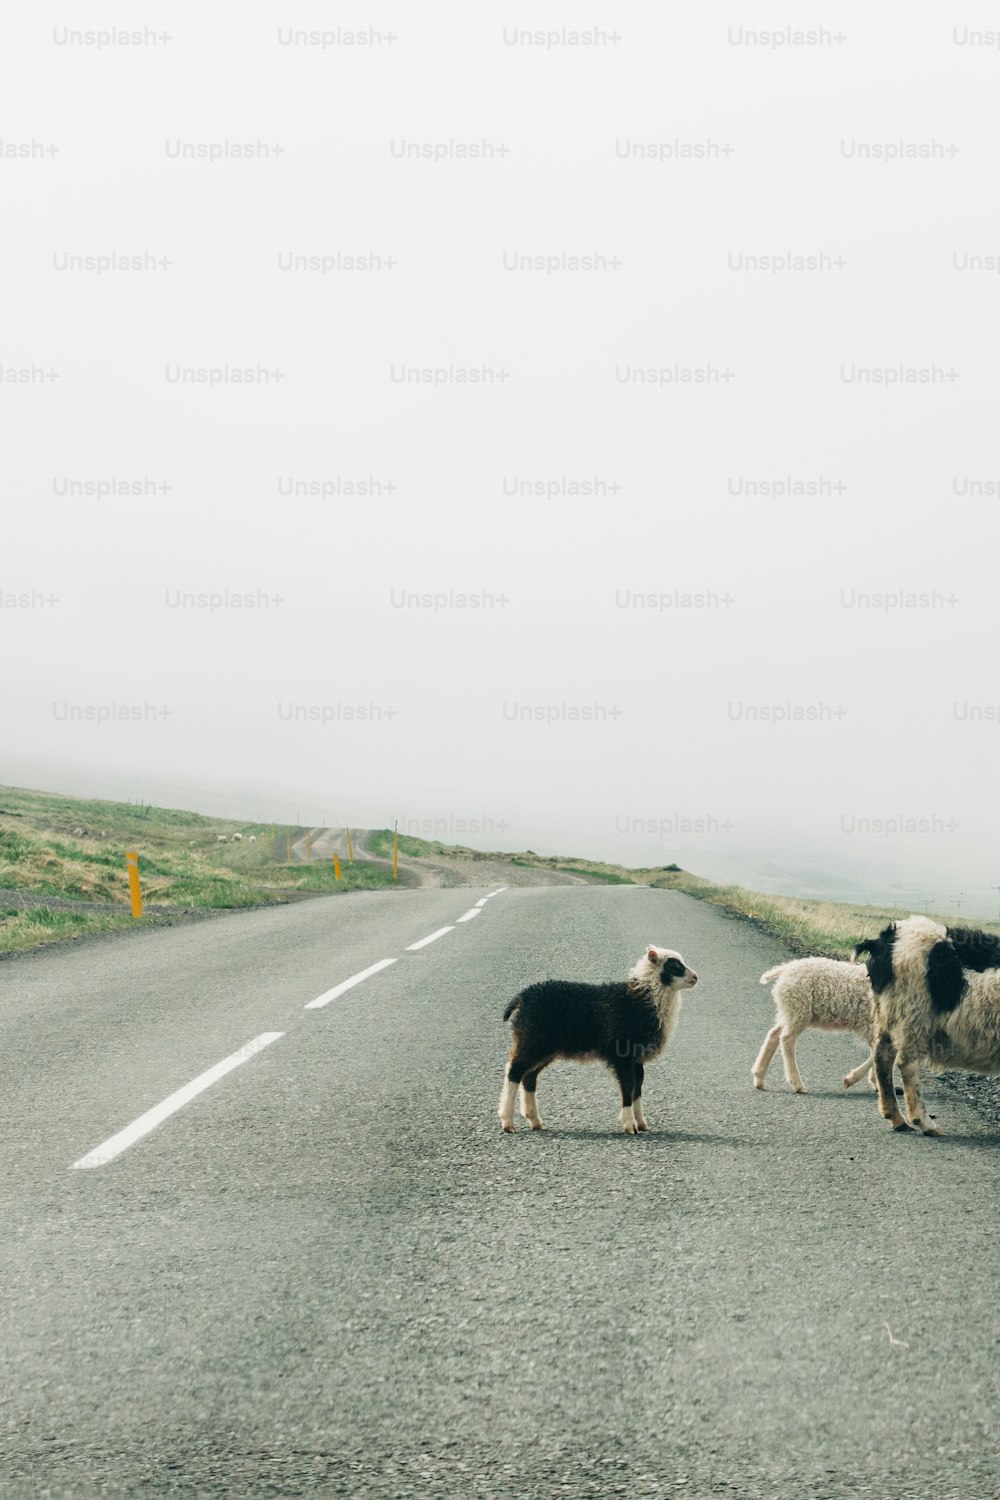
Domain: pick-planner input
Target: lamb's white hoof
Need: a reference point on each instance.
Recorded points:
(641, 1125)
(758, 1083)
(800, 1091)
(507, 1126)
(535, 1124)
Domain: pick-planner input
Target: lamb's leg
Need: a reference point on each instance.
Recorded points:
(625, 1071)
(512, 1075)
(856, 1074)
(640, 1118)
(529, 1105)
(765, 1054)
(915, 1106)
(791, 1067)
(885, 1061)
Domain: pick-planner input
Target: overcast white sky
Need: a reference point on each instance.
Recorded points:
(789, 159)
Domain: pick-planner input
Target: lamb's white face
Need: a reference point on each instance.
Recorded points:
(674, 973)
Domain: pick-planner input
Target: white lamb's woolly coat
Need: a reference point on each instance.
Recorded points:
(823, 994)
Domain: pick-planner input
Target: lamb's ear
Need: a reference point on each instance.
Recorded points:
(945, 977)
(653, 955)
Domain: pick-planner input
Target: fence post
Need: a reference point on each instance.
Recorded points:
(395, 850)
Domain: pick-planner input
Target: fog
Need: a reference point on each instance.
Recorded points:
(644, 507)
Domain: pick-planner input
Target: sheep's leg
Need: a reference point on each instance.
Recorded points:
(885, 1061)
(640, 1118)
(856, 1074)
(625, 1071)
(765, 1054)
(791, 1067)
(515, 1070)
(508, 1097)
(915, 1106)
(529, 1105)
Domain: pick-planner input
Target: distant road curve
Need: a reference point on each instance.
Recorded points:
(418, 871)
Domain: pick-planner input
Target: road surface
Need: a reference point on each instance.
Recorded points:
(330, 1273)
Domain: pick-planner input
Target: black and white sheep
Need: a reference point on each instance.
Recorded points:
(820, 994)
(624, 1024)
(937, 992)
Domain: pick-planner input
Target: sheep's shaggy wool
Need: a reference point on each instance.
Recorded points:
(937, 1003)
(821, 994)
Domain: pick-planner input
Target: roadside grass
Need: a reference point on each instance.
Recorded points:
(30, 929)
(182, 865)
(380, 844)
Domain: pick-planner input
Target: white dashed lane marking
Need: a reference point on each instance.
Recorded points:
(412, 947)
(114, 1146)
(348, 984)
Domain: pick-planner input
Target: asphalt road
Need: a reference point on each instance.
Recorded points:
(330, 1273)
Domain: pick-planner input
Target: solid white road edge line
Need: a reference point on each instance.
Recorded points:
(348, 984)
(412, 947)
(116, 1144)
(475, 912)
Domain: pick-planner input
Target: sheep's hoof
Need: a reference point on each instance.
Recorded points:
(631, 1129)
(643, 1126)
(800, 1091)
(758, 1083)
(535, 1124)
(507, 1126)
(901, 1125)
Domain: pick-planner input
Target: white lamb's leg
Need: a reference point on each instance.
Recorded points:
(856, 1074)
(791, 1068)
(638, 1116)
(765, 1055)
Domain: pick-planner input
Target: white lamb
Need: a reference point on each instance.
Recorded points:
(823, 994)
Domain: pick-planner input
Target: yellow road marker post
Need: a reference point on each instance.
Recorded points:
(350, 847)
(395, 850)
(336, 867)
(132, 862)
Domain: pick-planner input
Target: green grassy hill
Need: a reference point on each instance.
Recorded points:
(57, 882)
(45, 863)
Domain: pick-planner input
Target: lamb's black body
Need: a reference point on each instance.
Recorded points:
(558, 1018)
